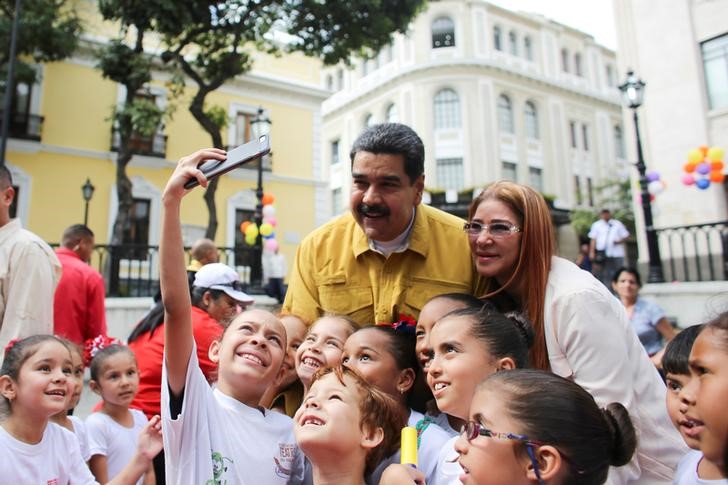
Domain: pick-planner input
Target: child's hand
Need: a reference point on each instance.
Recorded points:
(186, 169)
(396, 474)
(150, 441)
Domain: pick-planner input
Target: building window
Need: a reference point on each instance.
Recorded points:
(389, 52)
(335, 152)
(443, 32)
(528, 48)
(715, 64)
(619, 142)
(337, 205)
(392, 113)
(447, 109)
(136, 230)
(450, 173)
(497, 38)
(369, 120)
(340, 77)
(585, 136)
(572, 133)
(364, 67)
(329, 82)
(513, 43)
(509, 171)
(243, 131)
(530, 118)
(590, 191)
(577, 64)
(577, 189)
(535, 178)
(564, 60)
(610, 76)
(505, 114)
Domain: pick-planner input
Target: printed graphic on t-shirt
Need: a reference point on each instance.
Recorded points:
(284, 463)
(219, 467)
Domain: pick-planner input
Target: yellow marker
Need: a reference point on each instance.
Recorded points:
(408, 454)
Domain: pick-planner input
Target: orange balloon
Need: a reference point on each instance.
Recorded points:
(716, 166)
(268, 199)
(689, 167)
(244, 225)
(704, 149)
(717, 177)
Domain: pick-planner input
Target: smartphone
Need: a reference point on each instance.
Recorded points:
(235, 158)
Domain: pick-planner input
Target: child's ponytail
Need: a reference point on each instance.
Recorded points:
(624, 437)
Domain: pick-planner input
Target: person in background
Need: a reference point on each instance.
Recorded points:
(582, 259)
(647, 318)
(29, 273)
(274, 271)
(203, 252)
(79, 311)
(606, 247)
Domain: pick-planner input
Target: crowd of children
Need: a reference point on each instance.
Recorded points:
(325, 403)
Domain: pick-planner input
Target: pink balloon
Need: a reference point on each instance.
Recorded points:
(270, 245)
(688, 179)
(272, 221)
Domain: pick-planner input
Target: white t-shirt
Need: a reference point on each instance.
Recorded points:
(55, 460)
(79, 429)
(442, 422)
(605, 233)
(687, 471)
(216, 438)
(116, 442)
(432, 439)
(448, 470)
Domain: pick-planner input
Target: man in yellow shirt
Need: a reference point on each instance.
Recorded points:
(387, 257)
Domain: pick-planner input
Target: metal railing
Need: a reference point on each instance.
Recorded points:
(695, 253)
(132, 270)
(152, 145)
(24, 126)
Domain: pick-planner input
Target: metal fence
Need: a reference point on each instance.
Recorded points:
(694, 253)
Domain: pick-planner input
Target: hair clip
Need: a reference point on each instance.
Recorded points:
(11, 344)
(406, 323)
(93, 346)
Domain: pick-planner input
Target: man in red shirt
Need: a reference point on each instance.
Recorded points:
(78, 305)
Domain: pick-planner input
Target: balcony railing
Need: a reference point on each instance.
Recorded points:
(152, 145)
(695, 253)
(24, 126)
(132, 270)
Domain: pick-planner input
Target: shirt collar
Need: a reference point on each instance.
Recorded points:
(67, 252)
(416, 240)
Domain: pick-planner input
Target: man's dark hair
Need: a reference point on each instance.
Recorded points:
(75, 233)
(393, 139)
(6, 178)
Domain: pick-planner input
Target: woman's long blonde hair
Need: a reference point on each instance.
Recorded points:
(534, 260)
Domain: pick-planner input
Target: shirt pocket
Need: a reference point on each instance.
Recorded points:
(422, 290)
(356, 302)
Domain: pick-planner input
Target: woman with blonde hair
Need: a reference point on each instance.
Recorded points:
(581, 331)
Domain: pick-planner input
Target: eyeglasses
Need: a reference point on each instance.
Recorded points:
(496, 229)
(473, 429)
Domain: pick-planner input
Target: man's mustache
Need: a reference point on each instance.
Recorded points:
(365, 209)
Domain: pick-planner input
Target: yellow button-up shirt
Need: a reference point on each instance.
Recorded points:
(336, 271)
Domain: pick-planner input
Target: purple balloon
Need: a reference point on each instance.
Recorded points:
(702, 184)
(653, 176)
(703, 168)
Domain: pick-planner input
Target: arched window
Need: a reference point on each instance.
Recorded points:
(443, 32)
(528, 48)
(447, 109)
(619, 142)
(564, 60)
(392, 113)
(497, 38)
(329, 82)
(505, 114)
(577, 64)
(369, 120)
(530, 118)
(513, 43)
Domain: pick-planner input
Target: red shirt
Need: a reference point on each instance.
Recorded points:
(78, 304)
(149, 352)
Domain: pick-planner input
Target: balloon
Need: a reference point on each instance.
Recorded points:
(271, 220)
(250, 240)
(266, 229)
(702, 184)
(653, 176)
(690, 167)
(715, 154)
(272, 235)
(655, 187)
(703, 169)
(652, 197)
(268, 199)
(269, 211)
(244, 225)
(717, 176)
(271, 245)
(717, 166)
(251, 231)
(695, 156)
(688, 179)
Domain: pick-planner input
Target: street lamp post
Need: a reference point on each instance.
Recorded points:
(260, 125)
(87, 190)
(633, 93)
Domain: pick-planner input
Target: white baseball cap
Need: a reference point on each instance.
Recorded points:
(218, 276)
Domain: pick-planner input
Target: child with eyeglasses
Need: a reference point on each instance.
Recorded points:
(531, 426)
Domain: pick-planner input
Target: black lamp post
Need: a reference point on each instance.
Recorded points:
(633, 93)
(87, 190)
(259, 125)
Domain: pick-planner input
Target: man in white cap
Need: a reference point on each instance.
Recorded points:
(217, 291)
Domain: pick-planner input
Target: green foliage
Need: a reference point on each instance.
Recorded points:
(124, 65)
(581, 221)
(612, 194)
(142, 115)
(218, 116)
